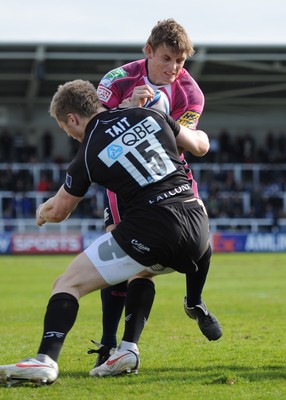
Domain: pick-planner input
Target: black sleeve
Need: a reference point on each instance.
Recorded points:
(175, 126)
(77, 180)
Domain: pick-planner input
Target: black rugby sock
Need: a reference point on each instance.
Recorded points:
(59, 319)
(195, 281)
(141, 294)
(113, 302)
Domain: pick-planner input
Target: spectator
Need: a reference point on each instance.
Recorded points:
(224, 145)
(47, 146)
(45, 184)
(20, 147)
(6, 146)
(248, 148)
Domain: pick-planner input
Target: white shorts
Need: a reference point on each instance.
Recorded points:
(113, 264)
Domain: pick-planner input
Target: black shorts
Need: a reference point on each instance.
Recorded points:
(114, 208)
(174, 235)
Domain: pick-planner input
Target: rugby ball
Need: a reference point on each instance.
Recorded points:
(159, 102)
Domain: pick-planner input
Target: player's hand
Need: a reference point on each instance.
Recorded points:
(125, 103)
(140, 95)
(40, 220)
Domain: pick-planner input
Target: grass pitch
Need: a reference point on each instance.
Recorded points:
(245, 291)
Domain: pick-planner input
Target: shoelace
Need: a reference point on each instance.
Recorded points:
(102, 350)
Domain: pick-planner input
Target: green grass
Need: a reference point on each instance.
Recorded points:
(245, 291)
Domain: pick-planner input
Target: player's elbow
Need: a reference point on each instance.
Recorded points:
(204, 148)
(203, 145)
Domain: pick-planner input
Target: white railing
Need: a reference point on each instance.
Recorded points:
(72, 225)
(252, 225)
(75, 225)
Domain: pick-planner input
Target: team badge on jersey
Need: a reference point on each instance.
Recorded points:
(68, 180)
(189, 119)
(104, 94)
(113, 75)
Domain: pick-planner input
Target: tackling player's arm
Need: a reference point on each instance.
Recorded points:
(57, 208)
(191, 126)
(194, 141)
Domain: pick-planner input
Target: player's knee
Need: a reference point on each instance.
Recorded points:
(141, 281)
(143, 275)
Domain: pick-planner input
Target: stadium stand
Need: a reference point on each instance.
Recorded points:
(242, 179)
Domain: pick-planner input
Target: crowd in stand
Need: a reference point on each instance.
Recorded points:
(246, 148)
(223, 193)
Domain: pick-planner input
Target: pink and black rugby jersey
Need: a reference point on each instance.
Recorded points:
(185, 97)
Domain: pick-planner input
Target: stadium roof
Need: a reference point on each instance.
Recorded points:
(240, 76)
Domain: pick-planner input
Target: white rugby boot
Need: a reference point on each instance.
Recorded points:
(29, 370)
(120, 362)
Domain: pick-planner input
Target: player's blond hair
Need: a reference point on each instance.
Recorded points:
(78, 96)
(172, 34)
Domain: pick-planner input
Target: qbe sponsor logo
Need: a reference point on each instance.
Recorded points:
(46, 243)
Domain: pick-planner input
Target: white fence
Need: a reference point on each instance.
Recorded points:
(79, 225)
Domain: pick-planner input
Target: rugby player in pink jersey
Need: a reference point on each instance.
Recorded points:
(166, 51)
